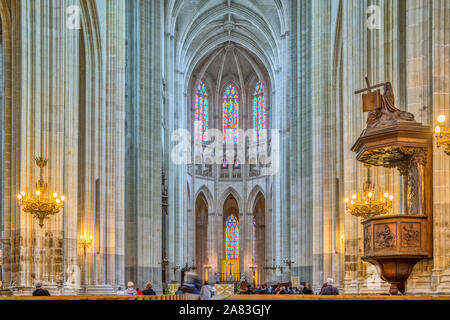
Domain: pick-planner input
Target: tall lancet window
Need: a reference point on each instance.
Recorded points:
(259, 112)
(230, 115)
(232, 238)
(201, 113)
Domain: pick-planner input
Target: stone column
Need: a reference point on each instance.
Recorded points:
(300, 141)
(438, 61)
(144, 154)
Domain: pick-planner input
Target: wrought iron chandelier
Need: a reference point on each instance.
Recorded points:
(368, 203)
(442, 135)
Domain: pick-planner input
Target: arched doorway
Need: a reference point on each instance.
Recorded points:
(259, 238)
(230, 269)
(201, 235)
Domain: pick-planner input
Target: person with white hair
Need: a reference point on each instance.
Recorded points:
(131, 291)
(329, 289)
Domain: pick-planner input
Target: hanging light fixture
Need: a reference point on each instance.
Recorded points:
(369, 203)
(39, 202)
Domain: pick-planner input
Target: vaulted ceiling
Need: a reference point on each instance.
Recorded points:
(230, 63)
(202, 27)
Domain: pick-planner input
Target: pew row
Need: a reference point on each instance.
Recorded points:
(107, 297)
(330, 297)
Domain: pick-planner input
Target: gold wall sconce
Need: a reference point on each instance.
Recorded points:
(85, 242)
(442, 135)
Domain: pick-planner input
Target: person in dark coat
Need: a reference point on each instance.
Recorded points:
(40, 291)
(307, 289)
(248, 291)
(329, 289)
(148, 290)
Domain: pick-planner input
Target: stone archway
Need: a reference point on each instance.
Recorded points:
(201, 234)
(259, 237)
(230, 265)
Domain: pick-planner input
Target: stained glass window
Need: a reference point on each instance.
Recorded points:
(232, 238)
(201, 113)
(230, 115)
(259, 112)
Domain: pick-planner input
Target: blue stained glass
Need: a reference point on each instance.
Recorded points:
(259, 112)
(232, 238)
(230, 115)
(201, 113)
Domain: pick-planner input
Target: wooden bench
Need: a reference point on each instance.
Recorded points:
(107, 297)
(330, 297)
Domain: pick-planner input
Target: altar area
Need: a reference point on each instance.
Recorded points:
(230, 271)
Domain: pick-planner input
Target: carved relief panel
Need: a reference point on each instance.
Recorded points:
(410, 234)
(385, 235)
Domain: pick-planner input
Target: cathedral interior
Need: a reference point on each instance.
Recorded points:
(237, 139)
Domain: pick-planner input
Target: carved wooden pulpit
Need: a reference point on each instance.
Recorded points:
(392, 139)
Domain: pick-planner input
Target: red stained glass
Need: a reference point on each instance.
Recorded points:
(230, 115)
(201, 113)
(232, 238)
(259, 112)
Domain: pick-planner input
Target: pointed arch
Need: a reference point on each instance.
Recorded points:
(259, 236)
(230, 191)
(206, 193)
(201, 232)
(252, 196)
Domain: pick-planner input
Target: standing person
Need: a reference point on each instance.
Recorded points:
(213, 290)
(205, 292)
(307, 289)
(40, 291)
(130, 290)
(149, 290)
(120, 292)
(329, 289)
